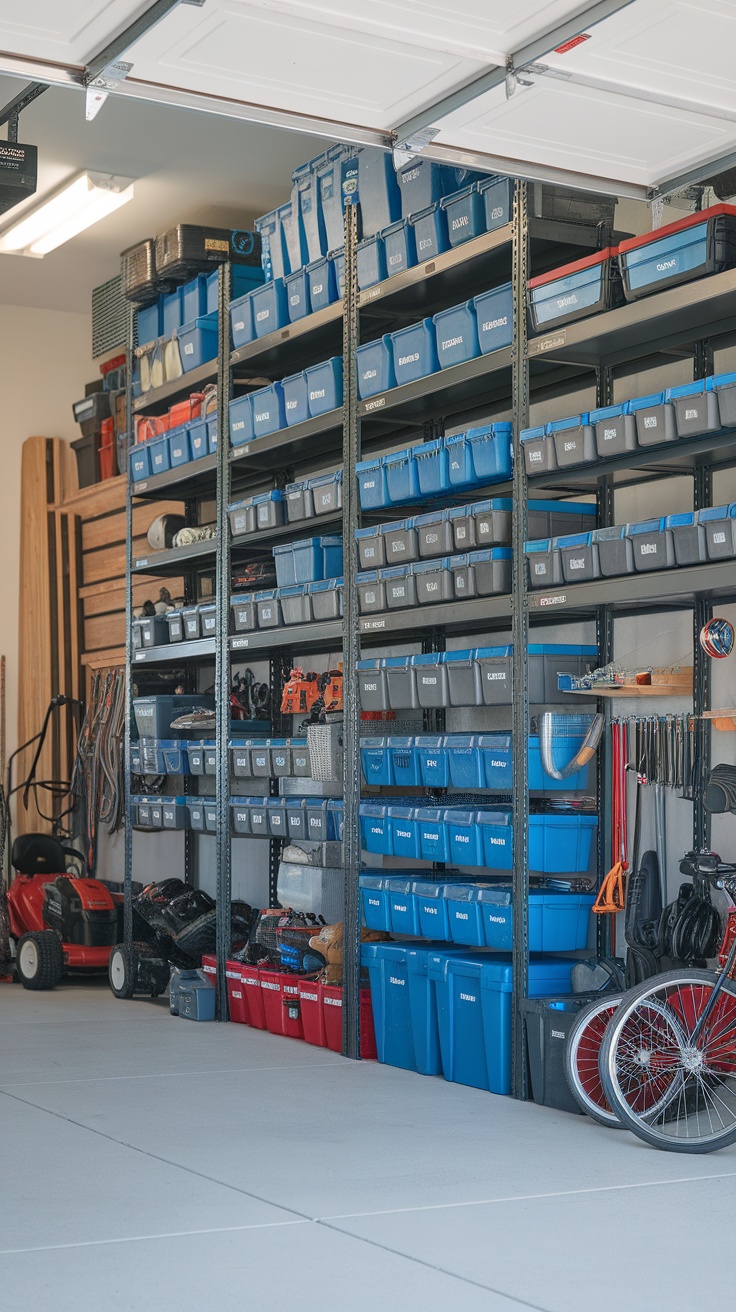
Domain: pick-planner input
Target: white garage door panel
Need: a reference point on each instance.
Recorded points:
(269, 58)
(686, 48)
(487, 29)
(586, 131)
(68, 31)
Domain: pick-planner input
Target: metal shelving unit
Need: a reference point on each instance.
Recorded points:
(507, 379)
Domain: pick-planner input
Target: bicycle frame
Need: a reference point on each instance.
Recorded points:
(725, 973)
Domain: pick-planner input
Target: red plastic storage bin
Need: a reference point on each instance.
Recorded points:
(235, 991)
(292, 1012)
(209, 964)
(250, 978)
(271, 995)
(332, 1013)
(310, 999)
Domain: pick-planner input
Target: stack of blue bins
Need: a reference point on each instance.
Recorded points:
(480, 456)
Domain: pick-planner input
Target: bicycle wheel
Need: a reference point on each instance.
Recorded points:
(581, 1059)
(675, 1092)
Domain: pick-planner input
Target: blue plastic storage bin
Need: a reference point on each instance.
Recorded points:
(431, 463)
(269, 414)
(496, 759)
(699, 244)
(149, 322)
(402, 482)
(198, 439)
(328, 168)
(372, 489)
(465, 760)
(171, 313)
(380, 198)
(564, 750)
(272, 246)
(321, 284)
(389, 980)
(402, 910)
(324, 386)
(242, 329)
(571, 292)
(294, 241)
(270, 307)
(140, 462)
(243, 279)
(159, 455)
(423, 1009)
(297, 295)
(498, 201)
(495, 317)
(474, 1013)
(374, 903)
(464, 837)
(306, 195)
(241, 419)
(558, 922)
(459, 463)
(404, 832)
(415, 352)
(457, 335)
(375, 829)
(197, 342)
(434, 761)
(371, 261)
(179, 450)
(465, 920)
(296, 400)
(317, 558)
(337, 260)
(466, 215)
(375, 363)
(423, 182)
(497, 836)
(491, 452)
(430, 232)
(399, 247)
(431, 907)
(376, 763)
(405, 762)
(194, 298)
(434, 840)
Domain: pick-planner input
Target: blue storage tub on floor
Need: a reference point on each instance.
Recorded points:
(495, 317)
(374, 903)
(372, 489)
(322, 284)
(270, 308)
(389, 980)
(371, 261)
(296, 400)
(241, 419)
(297, 295)
(375, 363)
(558, 922)
(700, 244)
(474, 1013)
(430, 232)
(242, 328)
(197, 342)
(402, 481)
(399, 247)
(466, 216)
(432, 467)
(269, 415)
(324, 386)
(415, 352)
(457, 335)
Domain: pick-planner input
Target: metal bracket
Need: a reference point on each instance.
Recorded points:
(405, 151)
(97, 91)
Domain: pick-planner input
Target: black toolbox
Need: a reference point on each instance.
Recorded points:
(190, 248)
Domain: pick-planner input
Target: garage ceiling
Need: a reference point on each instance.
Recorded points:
(647, 94)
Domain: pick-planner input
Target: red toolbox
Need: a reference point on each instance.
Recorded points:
(235, 991)
(332, 1014)
(253, 1010)
(310, 1000)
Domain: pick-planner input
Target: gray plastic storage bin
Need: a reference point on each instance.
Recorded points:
(296, 820)
(208, 619)
(463, 579)
(298, 502)
(688, 538)
(210, 759)
(433, 581)
(545, 663)
(296, 604)
(400, 587)
(243, 610)
(696, 408)
(326, 597)
(175, 621)
(276, 813)
(371, 593)
(269, 509)
(240, 815)
(195, 756)
(268, 609)
(210, 817)
(434, 534)
(615, 552)
(258, 817)
(578, 557)
(574, 441)
(300, 763)
(652, 545)
(463, 679)
(543, 563)
(260, 760)
(489, 572)
(655, 419)
(482, 524)
(316, 820)
(326, 493)
(240, 758)
(431, 681)
(174, 813)
(401, 683)
(538, 450)
(494, 664)
(615, 430)
(724, 386)
(281, 758)
(154, 630)
(135, 635)
(242, 517)
(370, 543)
(372, 685)
(400, 542)
(551, 519)
(719, 523)
(196, 814)
(192, 629)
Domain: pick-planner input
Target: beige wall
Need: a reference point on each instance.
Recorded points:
(45, 360)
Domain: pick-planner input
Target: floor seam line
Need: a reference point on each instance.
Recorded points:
(171, 1075)
(140, 1239)
(156, 1157)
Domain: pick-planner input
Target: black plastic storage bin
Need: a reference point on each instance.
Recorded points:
(90, 412)
(692, 247)
(141, 280)
(190, 248)
(86, 449)
(548, 1023)
(574, 291)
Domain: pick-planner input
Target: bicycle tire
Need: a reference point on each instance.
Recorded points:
(581, 1059)
(694, 1078)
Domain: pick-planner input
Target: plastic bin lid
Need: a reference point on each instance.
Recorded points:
(484, 430)
(459, 562)
(394, 227)
(394, 885)
(283, 549)
(293, 378)
(269, 594)
(684, 520)
(564, 425)
(489, 553)
(367, 576)
(371, 532)
(432, 813)
(644, 526)
(560, 649)
(488, 653)
(459, 892)
(324, 585)
(723, 380)
(398, 525)
(455, 437)
(609, 412)
(457, 196)
(397, 457)
(717, 512)
(240, 505)
(296, 487)
(575, 540)
(532, 434)
(395, 572)
(647, 402)
(429, 742)
(459, 740)
(371, 881)
(294, 590)
(428, 888)
(566, 507)
(698, 388)
(429, 448)
(275, 494)
(426, 658)
(538, 545)
(430, 566)
(432, 517)
(321, 479)
(370, 241)
(563, 820)
(690, 221)
(400, 812)
(364, 465)
(400, 741)
(241, 598)
(609, 534)
(577, 266)
(494, 741)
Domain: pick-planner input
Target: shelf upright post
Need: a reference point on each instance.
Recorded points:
(351, 648)
(127, 818)
(605, 925)
(520, 630)
(222, 650)
(702, 612)
(278, 671)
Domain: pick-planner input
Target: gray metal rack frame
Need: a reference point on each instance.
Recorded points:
(679, 317)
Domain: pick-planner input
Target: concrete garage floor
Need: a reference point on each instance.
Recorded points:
(154, 1163)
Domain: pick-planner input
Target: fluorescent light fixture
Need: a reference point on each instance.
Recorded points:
(74, 207)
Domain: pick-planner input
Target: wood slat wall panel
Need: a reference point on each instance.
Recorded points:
(109, 562)
(104, 530)
(104, 631)
(112, 597)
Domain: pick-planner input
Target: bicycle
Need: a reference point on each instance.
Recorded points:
(667, 1060)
